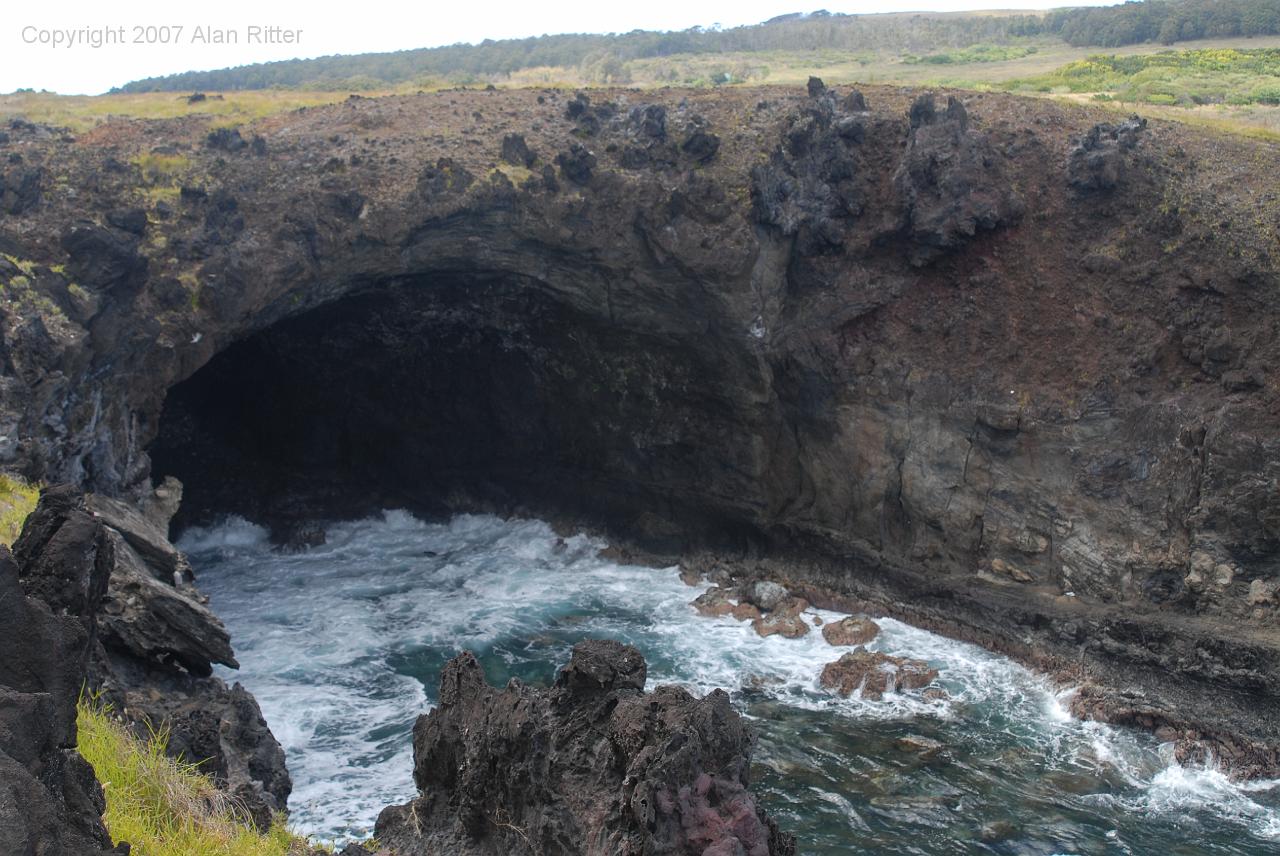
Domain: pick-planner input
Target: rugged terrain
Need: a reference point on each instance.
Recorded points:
(1002, 367)
(594, 765)
(96, 601)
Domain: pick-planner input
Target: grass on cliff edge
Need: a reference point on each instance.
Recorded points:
(17, 500)
(164, 807)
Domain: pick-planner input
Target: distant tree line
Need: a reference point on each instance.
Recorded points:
(1164, 21)
(604, 57)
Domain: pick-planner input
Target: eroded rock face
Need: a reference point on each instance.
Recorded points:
(923, 354)
(146, 641)
(50, 802)
(593, 765)
(159, 641)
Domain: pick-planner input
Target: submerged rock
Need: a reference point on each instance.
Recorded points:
(875, 674)
(923, 747)
(593, 765)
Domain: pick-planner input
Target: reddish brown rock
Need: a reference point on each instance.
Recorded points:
(875, 674)
(851, 631)
(714, 602)
(781, 624)
(792, 607)
(717, 601)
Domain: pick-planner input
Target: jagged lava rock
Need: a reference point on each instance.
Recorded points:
(593, 765)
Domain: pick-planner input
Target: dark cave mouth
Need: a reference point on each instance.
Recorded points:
(463, 392)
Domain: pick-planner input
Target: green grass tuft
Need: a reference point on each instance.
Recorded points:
(17, 500)
(164, 807)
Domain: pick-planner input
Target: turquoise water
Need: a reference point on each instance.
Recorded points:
(343, 646)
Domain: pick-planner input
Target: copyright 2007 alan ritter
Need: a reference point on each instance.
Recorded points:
(62, 38)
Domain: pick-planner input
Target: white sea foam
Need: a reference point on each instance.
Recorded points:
(336, 643)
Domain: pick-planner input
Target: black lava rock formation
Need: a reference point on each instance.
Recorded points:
(592, 766)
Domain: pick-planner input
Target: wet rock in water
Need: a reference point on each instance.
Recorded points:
(591, 765)
(875, 674)
(935, 694)
(767, 595)
(759, 682)
(792, 606)
(717, 601)
(781, 624)
(851, 630)
(690, 576)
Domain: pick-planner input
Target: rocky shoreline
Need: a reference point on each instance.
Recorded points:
(993, 366)
(593, 765)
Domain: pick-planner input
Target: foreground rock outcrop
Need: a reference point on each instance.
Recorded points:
(159, 642)
(50, 802)
(593, 765)
(142, 640)
(996, 366)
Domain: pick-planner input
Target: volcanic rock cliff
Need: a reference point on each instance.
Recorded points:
(94, 600)
(1002, 367)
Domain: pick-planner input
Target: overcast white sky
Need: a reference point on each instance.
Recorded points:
(347, 28)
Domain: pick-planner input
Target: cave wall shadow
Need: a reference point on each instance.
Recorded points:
(468, 392)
